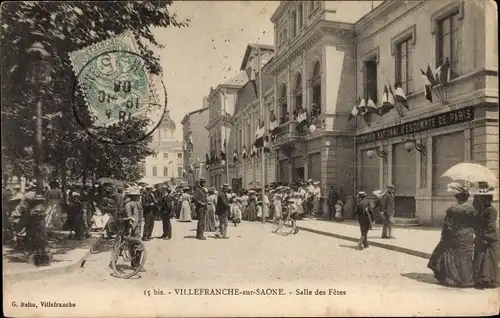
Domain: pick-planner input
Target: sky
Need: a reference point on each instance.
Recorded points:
(209, 51)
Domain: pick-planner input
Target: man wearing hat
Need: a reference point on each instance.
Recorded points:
(167, 210)
(75, 216)
(223, 210)
(365, 217)
(149, 206)
(387, 207)
(200, 201)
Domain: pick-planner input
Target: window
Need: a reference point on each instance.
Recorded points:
(155, 172)
(316, 89)
(403, 65)
(179, 171)
(300, 13)
(179, 155)
(298, 91)
(294, 23)
(311, 6)
(165, 171)
(370, 80)
(144, 171)
(282, 104)
(165, 155)
(155, 155)
(448, 42)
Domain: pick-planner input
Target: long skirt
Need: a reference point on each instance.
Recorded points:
(486, 271)
(185, 215)
(53, 219)
(251, 213)
(451, 262)
(210, 225)
(315, 205)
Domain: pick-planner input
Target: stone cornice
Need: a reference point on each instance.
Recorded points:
(280, 11)
(315, 33)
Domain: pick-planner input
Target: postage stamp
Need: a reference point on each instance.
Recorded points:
(116, 85)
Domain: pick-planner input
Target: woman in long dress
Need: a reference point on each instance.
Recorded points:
(486, 271)
(451, 260)
(54, 197)
(251, 207)
(185, 215)
(277, 205)
(210, 215)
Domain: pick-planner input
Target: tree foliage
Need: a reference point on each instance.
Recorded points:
(64, 27)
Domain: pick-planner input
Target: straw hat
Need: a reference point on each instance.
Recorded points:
(378, 193)
(133, 191)
(362, 193)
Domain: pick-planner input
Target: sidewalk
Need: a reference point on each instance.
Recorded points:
(67, 255)
(418, 241)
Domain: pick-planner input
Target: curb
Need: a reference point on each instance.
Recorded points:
(33, 275)
(376, 244)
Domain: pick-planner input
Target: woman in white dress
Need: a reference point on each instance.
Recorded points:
(185, 215)
(277, 205)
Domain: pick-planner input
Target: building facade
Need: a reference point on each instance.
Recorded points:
(247, 114)
(221, 101)
(416, 146)
(166, 164)
(329, 54)
(195, 140)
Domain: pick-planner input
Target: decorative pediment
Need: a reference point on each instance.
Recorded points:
(409, 33)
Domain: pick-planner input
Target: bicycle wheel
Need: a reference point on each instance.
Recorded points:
(289, 226)
(124, 255)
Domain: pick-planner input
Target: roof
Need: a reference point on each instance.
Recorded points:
(201, 110)
(249, 49)
(238, 80)
(167, 122)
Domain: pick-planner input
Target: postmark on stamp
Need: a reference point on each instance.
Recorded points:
(117, 89)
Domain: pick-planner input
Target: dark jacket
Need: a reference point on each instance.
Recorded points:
(387, 204)
(148, 202)
(223, 207)
(199, 198)
(363, 211)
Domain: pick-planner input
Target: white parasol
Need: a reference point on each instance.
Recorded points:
(471, 172)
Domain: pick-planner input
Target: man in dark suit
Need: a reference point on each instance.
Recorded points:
(200, 203)
(223, 210)
(387, 206)
(149, 207)
(365, 217)
(167, 203)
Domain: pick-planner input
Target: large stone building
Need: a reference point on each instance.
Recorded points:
(247, 113)
(167, 162)
(195, 141)
(221, 101)
(329, 54)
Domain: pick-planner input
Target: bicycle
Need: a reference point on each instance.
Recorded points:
(287, 220)
(131, 248)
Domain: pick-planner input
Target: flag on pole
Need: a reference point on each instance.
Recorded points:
(253, 80)
(387, 105)
(428, 86)
(273, 121)
(362, 107)
(400, 97)
(266, 147)
(244, 154)
(443, 73)
(259, 134)
(354, 112)
(207, 161)
(392, 100)
(371, 108)
(235, 157)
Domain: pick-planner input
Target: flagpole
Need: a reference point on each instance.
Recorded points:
(262, 116)
(225, 141)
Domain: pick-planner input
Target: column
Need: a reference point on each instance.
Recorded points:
(289, 91)
(389, 163)
(275, 94)
(305, 76)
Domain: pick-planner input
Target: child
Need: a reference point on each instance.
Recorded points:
(236, 211)
(259, 210)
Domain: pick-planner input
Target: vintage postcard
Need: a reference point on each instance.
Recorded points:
(250, 158)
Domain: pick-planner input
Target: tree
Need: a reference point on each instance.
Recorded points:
(65, 27)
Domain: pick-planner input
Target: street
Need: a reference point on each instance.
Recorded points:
(373, 281)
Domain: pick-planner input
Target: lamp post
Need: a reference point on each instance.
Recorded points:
(39, 75)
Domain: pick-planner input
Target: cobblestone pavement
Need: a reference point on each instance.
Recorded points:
(375, 281)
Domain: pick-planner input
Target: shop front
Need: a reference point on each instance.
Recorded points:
(412, 156)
